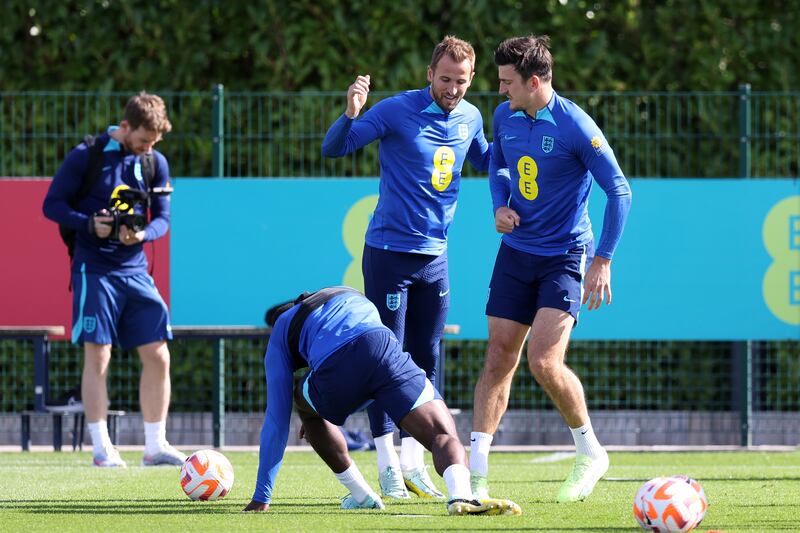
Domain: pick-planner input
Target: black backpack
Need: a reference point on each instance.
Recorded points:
(93, 171)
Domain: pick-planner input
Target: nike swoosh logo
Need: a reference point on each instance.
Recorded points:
(509, 137)
(443, 293)
(472, 440)
(107, 168)
(568, 300)
(584, 432)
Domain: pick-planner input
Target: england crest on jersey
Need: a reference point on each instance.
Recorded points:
(547, 144)
(393, 301)
(463, 131)
(89, 324)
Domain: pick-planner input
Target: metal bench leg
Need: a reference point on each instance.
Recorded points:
(26, 432)
(75, 420)
(82, 425)
(57, 432)
(112, 429)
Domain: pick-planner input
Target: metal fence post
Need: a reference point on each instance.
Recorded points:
(218, 407)
(218, 131)
(745, 130)
(742, 378)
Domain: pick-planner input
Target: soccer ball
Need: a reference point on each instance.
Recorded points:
(669, 504)
(699, 490)
(206, 475)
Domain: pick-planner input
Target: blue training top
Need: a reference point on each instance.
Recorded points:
(340, 320)
(545, 165)
(120, 169)
(422, 152)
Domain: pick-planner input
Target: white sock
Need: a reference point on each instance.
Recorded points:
(355, 483)
(586, 442)
(456, 477)
(155, 436)
(387, 455)
(479, 452)
(100, 439)
(412, 454)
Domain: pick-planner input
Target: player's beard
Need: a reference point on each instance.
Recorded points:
(445, 103)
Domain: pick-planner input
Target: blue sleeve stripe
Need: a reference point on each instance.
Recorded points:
(305, 392)
(77, 327)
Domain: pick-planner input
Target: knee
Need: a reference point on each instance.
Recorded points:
(155, 355)
(543, 369)
(501, 361)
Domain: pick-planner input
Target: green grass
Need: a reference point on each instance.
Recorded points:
(747, 491)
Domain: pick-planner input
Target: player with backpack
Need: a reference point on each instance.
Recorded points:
(107, 198)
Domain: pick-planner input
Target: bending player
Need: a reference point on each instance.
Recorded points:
(334, 331)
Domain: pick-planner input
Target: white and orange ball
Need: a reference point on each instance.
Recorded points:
(698, 489)
(669, 504)
(206, 475)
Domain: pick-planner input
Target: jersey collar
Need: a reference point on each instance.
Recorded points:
(432, 106)
(112, 145)
(544, 113)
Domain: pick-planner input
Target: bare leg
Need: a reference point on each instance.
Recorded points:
(494, 385)
(324, 437)
(94, 392)
(546, 352)
(432, 425)
(154, 385)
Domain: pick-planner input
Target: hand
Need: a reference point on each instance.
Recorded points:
(597, 283)
(129, 237)
(256, 506)
(301, 434)
(505, 220)
(357, 96)
(101, 223)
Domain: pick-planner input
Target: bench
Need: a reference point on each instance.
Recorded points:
(78, 419)
(38, 335)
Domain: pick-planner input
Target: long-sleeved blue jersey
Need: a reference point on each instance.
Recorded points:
(340, 320)
(545, 165)
(422, 152)
(120, 169)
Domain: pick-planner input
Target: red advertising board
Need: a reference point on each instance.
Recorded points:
(34, 265)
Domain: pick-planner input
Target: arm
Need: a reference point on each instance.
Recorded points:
(64, 187)
(505, 218)
(347, 135)
(275, 431)
(480, 151)
(600, 161)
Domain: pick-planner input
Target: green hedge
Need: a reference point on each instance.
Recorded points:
(616, 375)
(674, 45)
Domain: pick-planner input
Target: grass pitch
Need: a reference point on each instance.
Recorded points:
(747, 491)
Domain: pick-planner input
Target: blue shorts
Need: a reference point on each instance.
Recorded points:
(371, 367)
(123, 310)
(523, 283)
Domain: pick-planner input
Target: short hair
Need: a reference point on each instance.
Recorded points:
(530, 56)
(274, 312)
(456, 48)
(147, 111)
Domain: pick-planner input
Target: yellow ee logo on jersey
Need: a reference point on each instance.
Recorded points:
(528, 171)
(781, 234)
(443, 161)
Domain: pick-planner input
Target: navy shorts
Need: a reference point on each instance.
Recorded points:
(123, 310)
(523, 283)
(371, 367)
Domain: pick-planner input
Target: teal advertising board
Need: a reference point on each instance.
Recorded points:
(699, 259)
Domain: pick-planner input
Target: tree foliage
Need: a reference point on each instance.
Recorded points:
(643, 45)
